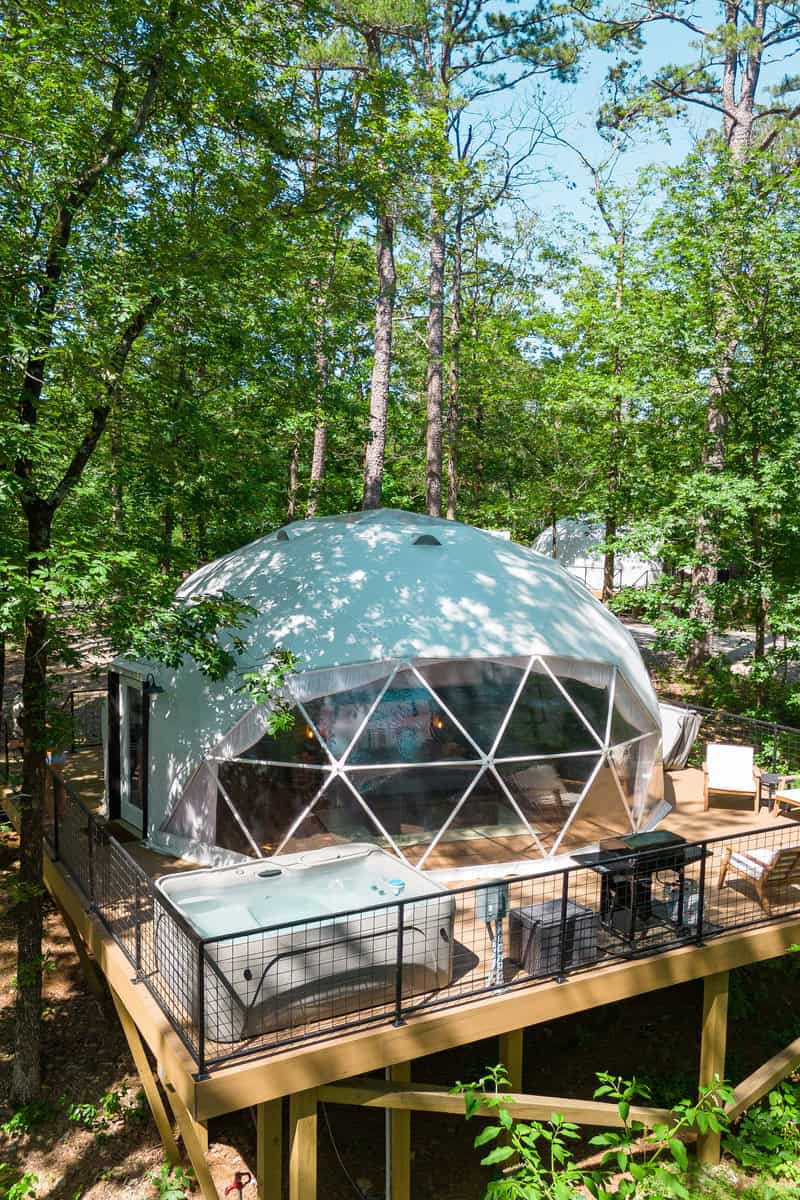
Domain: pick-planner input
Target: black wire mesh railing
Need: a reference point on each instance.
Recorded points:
(250, 993)
(777, 746)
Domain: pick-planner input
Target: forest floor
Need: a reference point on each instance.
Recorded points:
(105, 1151)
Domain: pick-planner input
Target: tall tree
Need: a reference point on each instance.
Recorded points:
(725, 76)
(96, 98)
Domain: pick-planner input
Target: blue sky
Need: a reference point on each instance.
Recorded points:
(562, 185)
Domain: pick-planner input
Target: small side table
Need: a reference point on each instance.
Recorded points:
(767, 782)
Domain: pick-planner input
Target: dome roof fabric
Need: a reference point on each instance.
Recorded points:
(363, 587)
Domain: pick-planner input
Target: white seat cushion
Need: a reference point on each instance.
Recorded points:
(730, 768)
(744, 862)
(789, 794)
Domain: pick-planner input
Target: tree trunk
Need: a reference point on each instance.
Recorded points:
(454, 375)
(705, 572)
(738, 130)
(294, 475)
(168, 536)
(317, 464)
(435, 347)
(26, 1076)
(382, 364)
(320, 424)
(617, 416)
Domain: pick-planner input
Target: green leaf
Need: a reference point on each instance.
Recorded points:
(488, 1134)
(498, 1155)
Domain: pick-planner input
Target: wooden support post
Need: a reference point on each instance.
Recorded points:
(400, 1132)
(712, 1052)
(149, 1085)
(511, 1056)
(195, 1139)
(269, 1149)
(92, 974)
(303, 1145)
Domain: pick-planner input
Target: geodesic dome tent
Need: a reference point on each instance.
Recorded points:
(577, 549)
(460, 700)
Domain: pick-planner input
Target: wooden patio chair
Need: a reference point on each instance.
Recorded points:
(785, 794)
(768, 869)
(730, 771)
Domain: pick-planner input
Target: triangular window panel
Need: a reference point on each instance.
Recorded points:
(336, 819)
(638, 768)
(339, 716)
(486, 828)
(478, 692)
(413, 803)
(268, 800)
(600, 814)
(543, 722)
(298, 743)
(588, 685)
(547, 791)
(410, 726)
(630, 718)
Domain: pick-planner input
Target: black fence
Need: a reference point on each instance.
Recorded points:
(250, 992)
(777, 746)
(80, 723)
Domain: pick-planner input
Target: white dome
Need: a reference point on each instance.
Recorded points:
(578, 542)
(458, 699)
(360, 587)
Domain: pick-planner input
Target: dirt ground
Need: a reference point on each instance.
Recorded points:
(86, 1057)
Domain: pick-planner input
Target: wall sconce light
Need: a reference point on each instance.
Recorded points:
(150, 687)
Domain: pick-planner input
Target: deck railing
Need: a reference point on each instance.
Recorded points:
(253, 992)
(777, 746)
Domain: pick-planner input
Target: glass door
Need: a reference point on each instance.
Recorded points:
(132, 766)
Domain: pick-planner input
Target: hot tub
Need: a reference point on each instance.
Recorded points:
(259, 978)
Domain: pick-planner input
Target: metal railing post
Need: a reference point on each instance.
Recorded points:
(701, 894)
(774, 749)
(137, 917)
(90, 857)
(201, 1011)
(562, 935)
(398, 966)
(56, 799)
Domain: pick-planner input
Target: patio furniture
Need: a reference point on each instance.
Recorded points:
(730, 771)
(768, 870)
(785, 795)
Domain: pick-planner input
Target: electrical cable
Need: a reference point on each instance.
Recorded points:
(361, 1195)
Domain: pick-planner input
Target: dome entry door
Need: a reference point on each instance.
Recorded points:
(131, 736)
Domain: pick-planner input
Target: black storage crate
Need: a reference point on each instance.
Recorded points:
(535, 936)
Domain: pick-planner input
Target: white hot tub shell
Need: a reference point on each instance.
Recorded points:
(303, 938)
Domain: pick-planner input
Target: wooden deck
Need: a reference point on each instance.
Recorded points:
(309, 1070)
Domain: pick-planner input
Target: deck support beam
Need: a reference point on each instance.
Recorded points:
(400, 1133)
(437, 1098)
(768, 1076)
(195, 1139)
(303, 1145)
(269, 1149)
(712, 1052)
(511, 1056)
(149, 1084)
